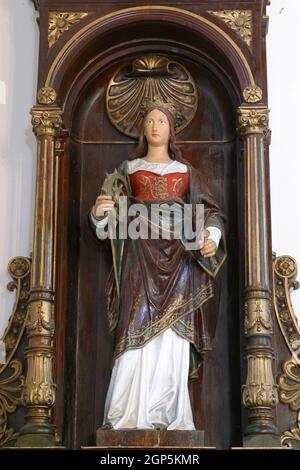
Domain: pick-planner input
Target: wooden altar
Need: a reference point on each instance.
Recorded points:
(83, 47)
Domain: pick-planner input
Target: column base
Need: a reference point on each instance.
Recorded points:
(262, 441)
(36, 435)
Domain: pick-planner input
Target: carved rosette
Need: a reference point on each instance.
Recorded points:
(46, 95)
(252, 94)
(258, 318)
(260, 389)
(46, 122)
(240, 21)
(60, 22)
(253, 120)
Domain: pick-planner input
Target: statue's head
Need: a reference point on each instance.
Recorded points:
(157, 129)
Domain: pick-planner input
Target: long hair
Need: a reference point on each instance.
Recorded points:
(142, 148)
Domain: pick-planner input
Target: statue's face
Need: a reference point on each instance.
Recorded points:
(157, 128)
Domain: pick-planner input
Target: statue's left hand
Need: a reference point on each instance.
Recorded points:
(209, 248)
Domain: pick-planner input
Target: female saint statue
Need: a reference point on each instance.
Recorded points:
(157, 286)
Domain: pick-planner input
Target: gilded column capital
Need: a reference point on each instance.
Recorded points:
(253, 120)
(46, 121)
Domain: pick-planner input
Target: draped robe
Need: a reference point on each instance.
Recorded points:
(159, 327)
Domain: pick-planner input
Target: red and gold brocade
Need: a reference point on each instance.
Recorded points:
(147, 185)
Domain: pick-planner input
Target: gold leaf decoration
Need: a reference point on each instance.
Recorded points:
(252, 94)
(238, 20)
(60, 22)
(146, 78)
(289, 386)
(46, 95)
(10, 398)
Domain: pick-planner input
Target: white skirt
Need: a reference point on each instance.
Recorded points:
(149, 386)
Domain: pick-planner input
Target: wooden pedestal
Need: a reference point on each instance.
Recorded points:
(148, 438)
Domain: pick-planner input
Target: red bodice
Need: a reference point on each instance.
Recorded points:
(147, 185)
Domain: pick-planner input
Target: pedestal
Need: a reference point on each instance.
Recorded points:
(114, 438)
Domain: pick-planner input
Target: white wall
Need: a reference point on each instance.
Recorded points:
(18, 71)
(284, 102)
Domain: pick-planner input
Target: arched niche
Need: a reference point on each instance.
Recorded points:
(80, 78)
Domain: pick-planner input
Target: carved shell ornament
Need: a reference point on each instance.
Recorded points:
(147, 78)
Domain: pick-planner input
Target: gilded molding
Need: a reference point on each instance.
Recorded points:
(252, 94)
(10, 398)
(239, 21)
(289, 393)
(258, 318)
(60, 22)
(46, 122)
(46, 95)
(260, 389)
(145, 8)
(253, 120)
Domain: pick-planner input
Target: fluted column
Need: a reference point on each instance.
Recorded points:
(39, 390)
(260, 392)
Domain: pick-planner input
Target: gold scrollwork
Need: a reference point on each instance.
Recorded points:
(252, 94)
(147, 77)
(239, 21)
(10, 398)
(59, 22)
(46, 95)
(284, 279)
(289, 393)
(19, 268)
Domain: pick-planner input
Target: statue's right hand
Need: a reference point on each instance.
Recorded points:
(102, 204)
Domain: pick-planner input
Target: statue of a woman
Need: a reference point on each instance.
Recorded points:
(155, 314)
